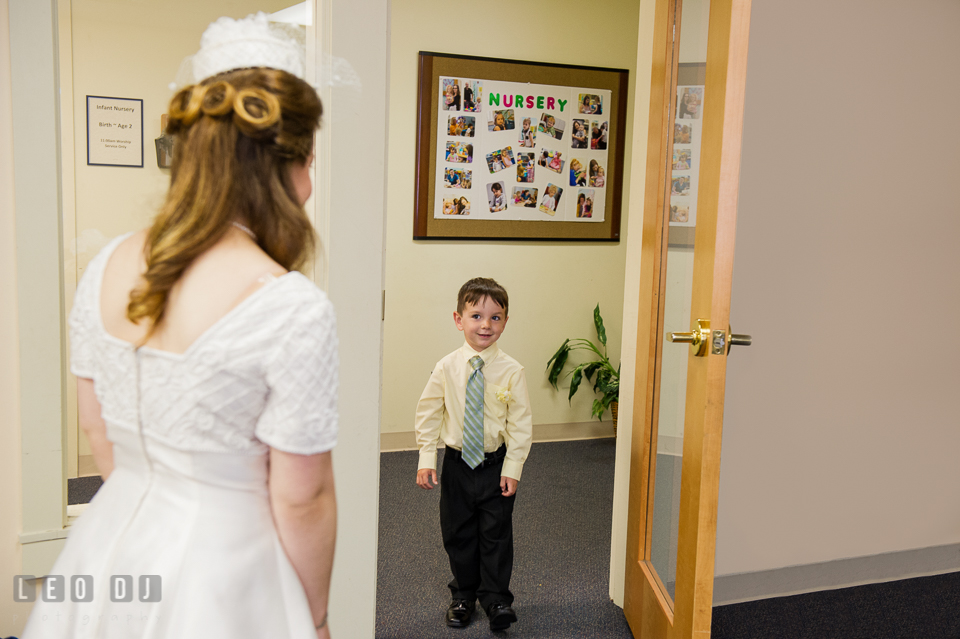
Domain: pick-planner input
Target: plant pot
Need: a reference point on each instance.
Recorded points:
(613, 411)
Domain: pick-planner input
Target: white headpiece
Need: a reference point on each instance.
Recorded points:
(254, 41)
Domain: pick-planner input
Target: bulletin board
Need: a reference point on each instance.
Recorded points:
(514, 150)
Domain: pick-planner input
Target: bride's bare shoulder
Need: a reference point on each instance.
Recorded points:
(126, 262)
(232, 258)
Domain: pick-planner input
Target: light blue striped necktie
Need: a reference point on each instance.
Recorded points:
(473, 415)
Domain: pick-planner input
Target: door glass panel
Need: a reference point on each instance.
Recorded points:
(680, 212)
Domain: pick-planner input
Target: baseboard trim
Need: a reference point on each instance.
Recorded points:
(86, 467)
(394, 442)
(831, 575)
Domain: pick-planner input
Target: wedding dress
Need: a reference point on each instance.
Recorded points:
(187, 500)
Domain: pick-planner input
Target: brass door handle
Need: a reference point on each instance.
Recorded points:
(740, 340)
(697, 337)
(701, 335)
(723, 340)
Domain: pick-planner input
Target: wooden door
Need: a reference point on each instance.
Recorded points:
(670, 558)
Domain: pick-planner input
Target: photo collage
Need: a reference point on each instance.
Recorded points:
(685, 163)
(542, 156)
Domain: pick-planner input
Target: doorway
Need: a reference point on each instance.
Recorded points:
(423, 277)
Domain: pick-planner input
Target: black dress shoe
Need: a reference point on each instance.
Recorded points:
(501, 615)
(459, 613)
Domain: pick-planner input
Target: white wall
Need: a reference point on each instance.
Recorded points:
(357, 31)
(553, 287)
(841, 430)
(12, 616)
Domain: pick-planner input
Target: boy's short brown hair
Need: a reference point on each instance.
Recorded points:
(478, 288)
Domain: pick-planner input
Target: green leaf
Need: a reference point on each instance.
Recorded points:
(590, 369)
(602, 376)
(563, 347)
(608, 384)
(575, 381)
(598, 322)
(597, 409)
(559, 361)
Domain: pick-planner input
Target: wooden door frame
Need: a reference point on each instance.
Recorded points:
(645, 605)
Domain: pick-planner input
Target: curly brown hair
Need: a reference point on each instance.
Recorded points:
(236, 135)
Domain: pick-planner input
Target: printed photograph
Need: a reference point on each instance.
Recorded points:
(525, 197)
(578, 174)
(459, 152)
(472, 95)
(451, 95)
(592, 104)
(679, 213)
(680, 185)
(579, 139)
(456, 206)
(495, 197)
(585, 203)
(596, 174)
(525, 167)
(551, 125)
(682, 133)
(551, 160)
(457, 179)
(528, 135)
(500, 159)
(598, 135)
(551, 198)
(681, 159)
(463, 125)
(689, 102)
(500, 120)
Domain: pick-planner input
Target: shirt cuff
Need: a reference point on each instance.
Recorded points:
(511, 469)
(428, 460)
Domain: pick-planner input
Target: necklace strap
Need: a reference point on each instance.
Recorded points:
(253, 236)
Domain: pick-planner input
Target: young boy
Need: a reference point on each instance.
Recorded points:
(476, 401)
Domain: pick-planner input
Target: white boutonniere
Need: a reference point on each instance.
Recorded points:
(504, 395)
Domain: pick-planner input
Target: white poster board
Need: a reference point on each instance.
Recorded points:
(519, 151)
(114, 131)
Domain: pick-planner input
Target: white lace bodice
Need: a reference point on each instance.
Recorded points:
(264, 375)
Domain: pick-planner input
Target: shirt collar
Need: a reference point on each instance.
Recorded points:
(487, 355)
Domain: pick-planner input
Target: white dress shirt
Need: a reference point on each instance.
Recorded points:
(507, 418)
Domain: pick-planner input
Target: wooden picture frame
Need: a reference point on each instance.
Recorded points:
(432, 138)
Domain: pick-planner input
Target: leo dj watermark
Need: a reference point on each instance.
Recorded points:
(81, 588)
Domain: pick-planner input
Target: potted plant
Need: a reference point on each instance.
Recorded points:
(607, 379)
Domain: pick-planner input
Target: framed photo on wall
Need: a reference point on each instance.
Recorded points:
(515, 150)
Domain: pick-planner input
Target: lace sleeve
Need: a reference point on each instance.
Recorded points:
(83, 327)
(300, 415)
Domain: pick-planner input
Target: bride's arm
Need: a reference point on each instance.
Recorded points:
(91, 421)
(305, 512)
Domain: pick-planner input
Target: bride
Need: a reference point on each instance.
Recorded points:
(207, 377)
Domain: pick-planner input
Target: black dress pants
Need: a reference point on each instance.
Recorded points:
(477, 525)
